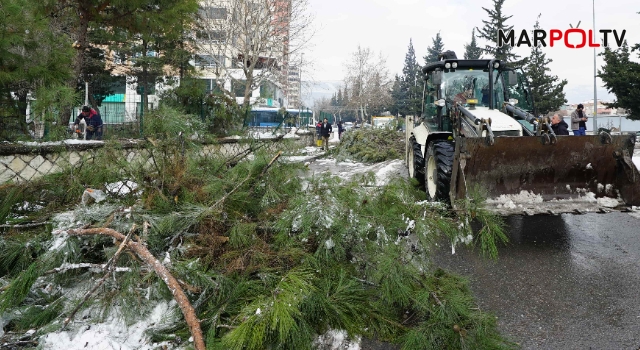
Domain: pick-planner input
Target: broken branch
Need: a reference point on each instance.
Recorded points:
(185, 306)
(109, 270)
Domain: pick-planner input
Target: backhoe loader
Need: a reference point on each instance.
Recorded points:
(477, 133)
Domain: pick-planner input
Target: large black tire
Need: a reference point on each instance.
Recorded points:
(416, 162)
(439, 162)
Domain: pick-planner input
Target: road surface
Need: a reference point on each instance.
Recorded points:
(563, 282)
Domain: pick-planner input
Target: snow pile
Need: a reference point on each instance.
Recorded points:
(512, 201)
(121, 188)
(384, 171)
(635, 212)
(608, 202)
(336, 340)
(110, 335)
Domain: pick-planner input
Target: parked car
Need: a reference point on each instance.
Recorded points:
(347, 125)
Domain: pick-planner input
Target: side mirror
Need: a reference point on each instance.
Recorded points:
(437, 77)
(513, 78)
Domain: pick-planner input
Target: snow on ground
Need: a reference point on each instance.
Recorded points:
(636, 157)
(336, 340)
(121, 188)
(635, 212)
(113, 334)
(383, 171)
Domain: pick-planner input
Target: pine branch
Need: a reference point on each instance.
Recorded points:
(109, 269)
(174, 286)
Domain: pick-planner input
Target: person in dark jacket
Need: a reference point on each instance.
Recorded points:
(93, 120)
(325, 132)
(559, 126)
(579, 121)
(340, 130)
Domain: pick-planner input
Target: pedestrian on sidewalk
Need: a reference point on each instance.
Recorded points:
(579, 121)
(340, 130)
(325, 132)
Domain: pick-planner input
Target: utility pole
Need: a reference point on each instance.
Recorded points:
(595, 76)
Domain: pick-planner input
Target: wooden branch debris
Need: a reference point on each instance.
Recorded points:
(109, 270)
(174, 286)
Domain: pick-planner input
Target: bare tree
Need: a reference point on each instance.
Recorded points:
(369, 83)
(251, 42)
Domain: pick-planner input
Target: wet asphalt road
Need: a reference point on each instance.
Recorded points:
(563, 282)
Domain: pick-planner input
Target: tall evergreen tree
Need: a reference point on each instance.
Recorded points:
(472, 51)
(497, 21)
(34, 57)
(398, 97)
(546, 89)
(621, 76)
(410, 83)
(436, 48)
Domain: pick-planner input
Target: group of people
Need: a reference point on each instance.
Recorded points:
(578, 123)
(324, 130)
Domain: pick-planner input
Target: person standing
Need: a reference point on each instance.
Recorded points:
(559, 126)
(579, 121)
(340, 130)
(93, 120)
(325, 132)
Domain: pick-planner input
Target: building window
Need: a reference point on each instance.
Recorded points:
(211, 35)
(209, 61)
(209, 12)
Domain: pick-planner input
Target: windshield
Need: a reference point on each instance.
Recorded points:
(461, 85)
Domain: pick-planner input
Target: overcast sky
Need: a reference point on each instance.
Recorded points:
(387, 26)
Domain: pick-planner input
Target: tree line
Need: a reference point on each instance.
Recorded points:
(50, 50)
(403, 93)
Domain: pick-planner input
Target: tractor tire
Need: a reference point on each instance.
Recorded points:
(416, 161)
(439, 162)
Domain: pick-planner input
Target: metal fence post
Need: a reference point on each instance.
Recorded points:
(142, 111)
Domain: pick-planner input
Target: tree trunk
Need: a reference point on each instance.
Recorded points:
(187, 309)
(78, 67)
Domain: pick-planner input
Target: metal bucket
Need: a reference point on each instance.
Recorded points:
(565, 169)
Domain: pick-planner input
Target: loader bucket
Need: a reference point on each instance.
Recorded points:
(569, 168)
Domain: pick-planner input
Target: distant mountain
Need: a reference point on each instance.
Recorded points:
(316, 90)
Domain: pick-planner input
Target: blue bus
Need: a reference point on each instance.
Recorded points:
(274, 117)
